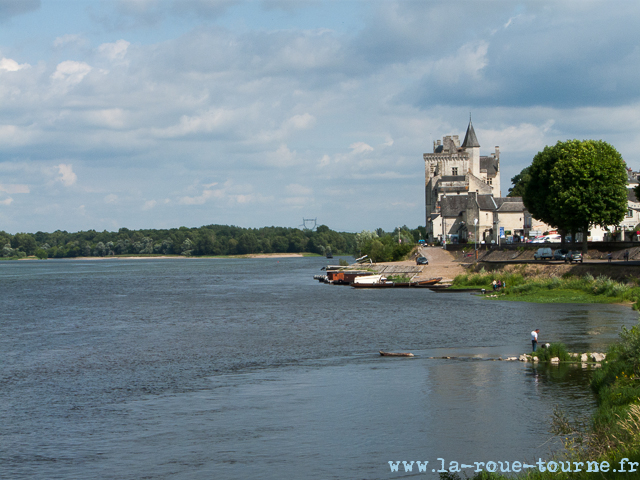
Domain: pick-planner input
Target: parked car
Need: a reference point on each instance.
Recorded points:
(422, 261)
(543, 254)
(573, 256)
(560, 254)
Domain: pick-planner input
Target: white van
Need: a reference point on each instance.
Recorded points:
(543, 254)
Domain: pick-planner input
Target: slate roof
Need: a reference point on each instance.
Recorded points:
(452, 206)
(470, 139)
(510, 204)
(486, 202)
(489, 165)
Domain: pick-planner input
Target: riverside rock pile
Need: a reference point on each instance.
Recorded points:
(584, 358)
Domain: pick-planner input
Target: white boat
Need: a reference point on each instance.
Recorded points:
(369, 279)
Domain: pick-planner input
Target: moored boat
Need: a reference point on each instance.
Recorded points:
(369, 280)
(394, 354)
(419, 284)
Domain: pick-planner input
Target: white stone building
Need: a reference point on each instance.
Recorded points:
(462, 194)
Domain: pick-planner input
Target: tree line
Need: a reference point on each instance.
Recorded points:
(212, 240)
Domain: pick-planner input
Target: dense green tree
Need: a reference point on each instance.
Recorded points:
(24, 242)
(519, 181)
(247, 243)
(575, 184)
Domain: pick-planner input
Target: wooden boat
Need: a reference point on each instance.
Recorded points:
(431, 281)
(419, 284)
(394, 354)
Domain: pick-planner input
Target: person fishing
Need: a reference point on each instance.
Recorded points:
(534, 338)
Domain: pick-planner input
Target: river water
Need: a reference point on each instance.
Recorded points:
(249, 368)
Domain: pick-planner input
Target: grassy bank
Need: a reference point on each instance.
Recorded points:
(613, 434)
(568, 289)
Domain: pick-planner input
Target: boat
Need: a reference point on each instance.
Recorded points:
(329, 254)
(345, 277)
(369, 280)
(394, 354)
(418, 284)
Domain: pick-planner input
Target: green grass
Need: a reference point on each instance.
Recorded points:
(569, 289)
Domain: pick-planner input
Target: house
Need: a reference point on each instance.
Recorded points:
(626, 229)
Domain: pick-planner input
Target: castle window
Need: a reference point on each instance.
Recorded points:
(432, 168)
(489, 181)
(454, 171)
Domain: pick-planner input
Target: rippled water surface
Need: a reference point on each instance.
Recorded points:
(235, 369)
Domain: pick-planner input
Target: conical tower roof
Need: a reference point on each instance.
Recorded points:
(470, 139)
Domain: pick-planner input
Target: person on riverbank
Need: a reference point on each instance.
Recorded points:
(626, 255)
(609, 256)
(534, 339)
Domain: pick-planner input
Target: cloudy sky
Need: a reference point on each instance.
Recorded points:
(161, 113)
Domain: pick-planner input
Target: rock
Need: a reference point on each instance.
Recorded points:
(597, 357)
(584, 358)
(536, 359)
(523, 358)
(574, 355)
(555, 360)
(512, 359)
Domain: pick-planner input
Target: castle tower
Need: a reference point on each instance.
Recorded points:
(472, 146)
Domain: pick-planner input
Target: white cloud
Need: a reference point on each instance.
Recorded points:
(67, 177)
(71, 72)
(282, 157)
(6, 201)
(69, 39)
(114, 51)
(12, 189)
(199, 200)
(149, 204)
(360, 147)
(10, 65)
(301, 122)
(111, 198)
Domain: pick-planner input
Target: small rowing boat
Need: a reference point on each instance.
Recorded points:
(394, 354)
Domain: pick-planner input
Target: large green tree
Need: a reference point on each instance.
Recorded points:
(575, 184)
(519, 182)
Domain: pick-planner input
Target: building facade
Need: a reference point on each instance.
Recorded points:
(463, 200)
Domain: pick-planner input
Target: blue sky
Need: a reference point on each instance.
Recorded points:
(158, 114)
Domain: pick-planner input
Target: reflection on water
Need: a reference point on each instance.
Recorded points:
(238, 368)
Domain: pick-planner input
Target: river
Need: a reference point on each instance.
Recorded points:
(249, 368)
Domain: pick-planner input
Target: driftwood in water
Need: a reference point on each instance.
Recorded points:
(392, 354)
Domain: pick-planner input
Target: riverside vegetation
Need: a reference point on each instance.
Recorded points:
(568, 289)
(611, 435)
(211, 240)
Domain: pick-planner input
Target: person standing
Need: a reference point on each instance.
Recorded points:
(534, 339)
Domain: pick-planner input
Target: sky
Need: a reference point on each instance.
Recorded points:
(167, 113)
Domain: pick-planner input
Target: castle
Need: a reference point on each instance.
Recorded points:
(462, 194)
